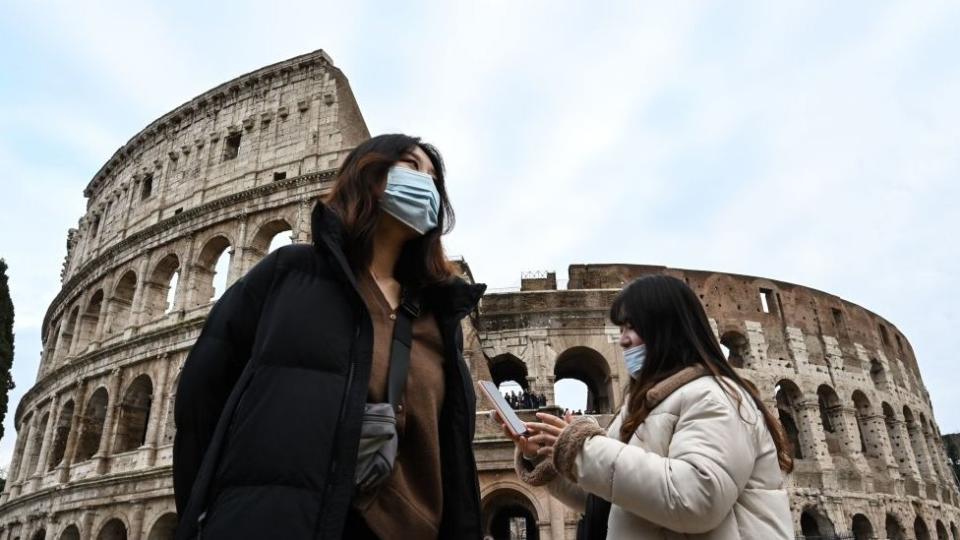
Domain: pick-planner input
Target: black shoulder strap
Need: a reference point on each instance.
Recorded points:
(400, 348)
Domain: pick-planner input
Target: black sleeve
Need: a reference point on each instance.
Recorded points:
(211, 369)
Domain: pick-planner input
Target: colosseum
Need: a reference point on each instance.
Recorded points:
(200, 195)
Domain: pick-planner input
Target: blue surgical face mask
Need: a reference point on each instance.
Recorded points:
(412, 197)
(634, 357)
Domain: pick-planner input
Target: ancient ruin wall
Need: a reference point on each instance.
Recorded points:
(224, 173)
(844, 381)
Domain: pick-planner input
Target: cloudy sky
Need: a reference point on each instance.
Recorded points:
(810, 142)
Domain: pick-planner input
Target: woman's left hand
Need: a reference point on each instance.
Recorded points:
(548, 430)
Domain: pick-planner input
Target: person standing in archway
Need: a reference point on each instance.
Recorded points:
(692, 451)
(327, 396)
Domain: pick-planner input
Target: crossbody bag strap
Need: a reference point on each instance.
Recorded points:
(400, 349)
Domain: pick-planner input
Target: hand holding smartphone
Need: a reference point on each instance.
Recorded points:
(493, 395)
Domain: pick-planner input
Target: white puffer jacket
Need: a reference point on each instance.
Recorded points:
(696, 468)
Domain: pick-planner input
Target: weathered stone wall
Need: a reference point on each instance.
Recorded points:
(847, 379)
(95, 432)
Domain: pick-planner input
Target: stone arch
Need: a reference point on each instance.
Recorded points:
(917, 443)
(60, 434)
(507, 367)
(591, 368)
(737, 348)
(862, 528)
(164, 278)
(942, 531)
(877, 374)
(164, 527)
(205, 271)
(898, 446)
(871, 439)
(831, 417)
(91, 425)
(920, 530)
(89, 321)
(39, 534)
(113, 529)
(267, 233)
(53, 339)
(788, 396)
(72, 532)
(505, 510)
(954, 532)
(66, 334)
(121, 302)
(34, 445)
(814, 524)
(134, 414)
(894, 528)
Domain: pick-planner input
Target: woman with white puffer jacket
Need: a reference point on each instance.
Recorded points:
(693, 453)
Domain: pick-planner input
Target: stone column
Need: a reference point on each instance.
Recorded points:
(13, 487)
(97, 336)
(850, 437)
(237, 251)
(556, 518)
(185, 281)
(811, 432)
(136, 306)
(63, 474)
(303, 228)
(156, 412)
(136, 522)
(918, 444)
(109, 423)
(22, 472)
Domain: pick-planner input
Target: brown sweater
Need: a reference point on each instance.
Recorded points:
(410, 503)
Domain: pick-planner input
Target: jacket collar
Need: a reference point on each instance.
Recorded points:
(452, 299)
(671, 384)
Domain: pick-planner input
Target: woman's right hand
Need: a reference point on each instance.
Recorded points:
(529, 450)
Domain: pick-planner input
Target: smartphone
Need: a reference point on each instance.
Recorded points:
(514, 423)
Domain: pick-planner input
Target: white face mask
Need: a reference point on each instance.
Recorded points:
(412, 197)
(635, 357)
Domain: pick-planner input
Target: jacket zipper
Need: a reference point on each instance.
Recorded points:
(343, 412)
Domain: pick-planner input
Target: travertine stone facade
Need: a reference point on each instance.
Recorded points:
(233, 168)
(224, 173)
(844, 381)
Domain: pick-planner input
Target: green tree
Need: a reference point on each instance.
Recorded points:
(6, 343)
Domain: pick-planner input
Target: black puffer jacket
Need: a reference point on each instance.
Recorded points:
(270, 400)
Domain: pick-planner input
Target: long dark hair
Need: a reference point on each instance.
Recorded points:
(669, 318)
(355, 199)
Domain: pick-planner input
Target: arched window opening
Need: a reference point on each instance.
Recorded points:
(507, 368)
(134, 415)
(161, 289)
(270, 236)
(954, 532)
(36, 441)
(895, 530)
(787, 396)
(871, 442)
(67, 335)
(920, 530)
(164, 527)
(831, 416)
(917, 442)
(60, 435)
(121, 302)
(113, 530)
(815, 525)
(89, 321)
(877, 374)
(39, 535)
(211, 271)
(70, 533)
(737, 348)
(91, 425)
(508, 514)
(862, 528)
(942, 531)
(53, 337)
(589, 367)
